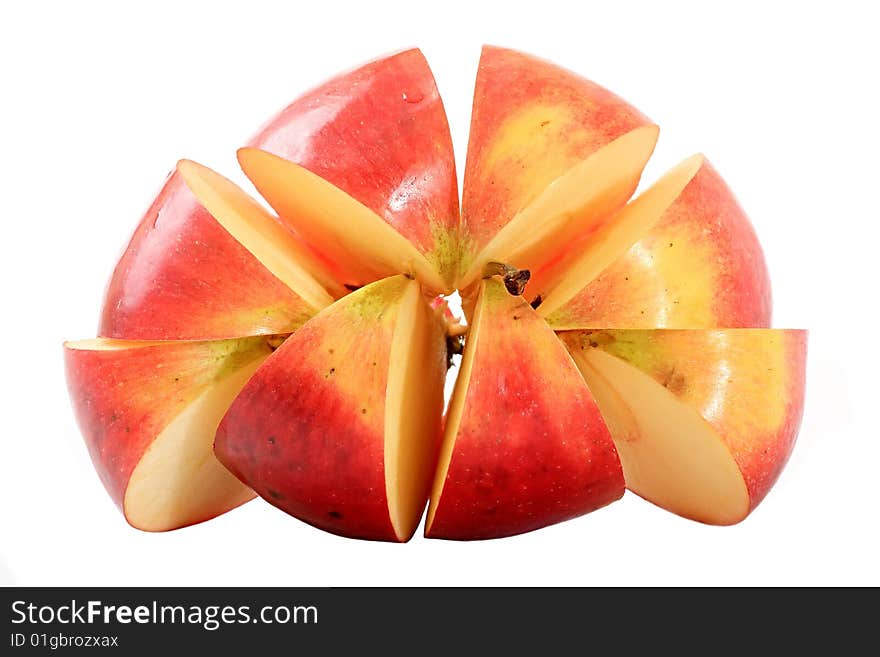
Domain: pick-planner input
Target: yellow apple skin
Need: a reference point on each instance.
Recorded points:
(748, 384)
(700, 266)
(532, 121)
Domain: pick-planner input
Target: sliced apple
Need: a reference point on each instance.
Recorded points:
(699, 266)
(703, 420)
(532, 122)
(341, 427)
(525, 445)
(148, 412)
(259, 232)
(380, 134)
(551, 287)
(356, 240)
(572, 207)
(183, 277)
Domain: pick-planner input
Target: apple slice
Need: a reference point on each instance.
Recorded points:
(563, 278)
(263, 235)
(380, 134)
(148, 412)
(184, 277)
(350, 235)
(525, 445)
(699, 266)
(341, 427)
(572, 207)
(703, 420)
(532, 122)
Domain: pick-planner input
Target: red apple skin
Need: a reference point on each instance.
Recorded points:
(531, 122)
(307, 433)
(700, 266)
(183, 277)
(124, 398)
(380, 134)
(532, 448)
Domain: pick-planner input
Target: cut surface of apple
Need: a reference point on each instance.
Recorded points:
(148, 412)
(532, 122)
(703, 420)
(340, 428)
(561, 280)
(355, 239)
(379, 133)
(699, 266)
(572, 207)
(262, 235)
(184, 277)
(525, 445)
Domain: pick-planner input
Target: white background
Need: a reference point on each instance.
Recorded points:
(100, 100)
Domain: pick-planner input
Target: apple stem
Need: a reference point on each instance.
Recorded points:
(514, 279)
(454, 347)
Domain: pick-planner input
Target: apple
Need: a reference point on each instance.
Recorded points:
(532, 122)
(148, 412)
(700, 265)
(607, 343)
(703, 419)
(184, 276)
(579, 203)
(340, 428)
(380, 135)
(525, 445)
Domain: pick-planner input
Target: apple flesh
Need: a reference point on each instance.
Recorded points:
(703, 420)
(379, 134)
(525, 445)
(699, 266)
(532, 122)
(148, 412)
(184, 277)
(357, 241)
(340, 428)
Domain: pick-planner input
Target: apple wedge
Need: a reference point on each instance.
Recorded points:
(148, 412)
(380, 134)
(554, 285)
(525, 445)
(572, 207)
(341, 427)
(532, 122)
(699, 266)
(703, 420)
(183, 275)
(263, 235)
